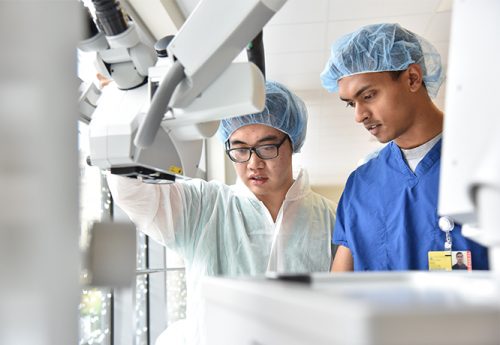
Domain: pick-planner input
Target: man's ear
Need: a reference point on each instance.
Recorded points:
(415, 80)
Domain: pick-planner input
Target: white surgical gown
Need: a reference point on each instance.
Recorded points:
(223, 230)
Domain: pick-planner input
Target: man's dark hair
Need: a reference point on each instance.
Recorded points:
(395, 74)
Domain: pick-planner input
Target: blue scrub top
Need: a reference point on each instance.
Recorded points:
(387, 215)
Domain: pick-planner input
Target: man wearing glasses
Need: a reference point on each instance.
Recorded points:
(267, 222)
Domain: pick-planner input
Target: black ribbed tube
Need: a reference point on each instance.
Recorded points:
(109, 17)
(255, 53)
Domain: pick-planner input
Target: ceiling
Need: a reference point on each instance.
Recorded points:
(296, 43)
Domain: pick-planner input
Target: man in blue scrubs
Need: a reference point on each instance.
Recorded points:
(387, 217)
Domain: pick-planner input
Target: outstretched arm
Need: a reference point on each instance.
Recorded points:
(140, 201)
(172, 214)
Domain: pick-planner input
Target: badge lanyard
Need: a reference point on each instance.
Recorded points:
(447, 225)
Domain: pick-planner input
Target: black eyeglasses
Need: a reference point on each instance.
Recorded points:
(243, 154)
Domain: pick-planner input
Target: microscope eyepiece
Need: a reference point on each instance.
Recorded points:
(110, 17)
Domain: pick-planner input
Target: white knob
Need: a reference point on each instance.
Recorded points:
(446, 224)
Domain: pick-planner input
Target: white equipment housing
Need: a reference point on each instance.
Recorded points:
(205, 60)
(355, 309)
(177, 147)
(470, 168)
(134, 134)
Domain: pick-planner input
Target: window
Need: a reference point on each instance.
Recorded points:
(96, 304)
(159, 295)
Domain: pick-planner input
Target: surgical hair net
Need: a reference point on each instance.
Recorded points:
(283, 110)
(380, 48)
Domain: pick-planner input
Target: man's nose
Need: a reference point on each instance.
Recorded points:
(361, 113)
(255, 161)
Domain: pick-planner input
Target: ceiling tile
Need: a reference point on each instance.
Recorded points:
(313, 97)
(301, 11)
(439, 27)
(295, 63)
(306, 81)
(186, 6)
(445, 5)
(364, 9)
(294, 38)
(416, 23)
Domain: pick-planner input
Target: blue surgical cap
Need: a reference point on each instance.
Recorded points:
(380, 48)
(283, 111)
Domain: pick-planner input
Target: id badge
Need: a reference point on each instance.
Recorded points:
(450, 260)
(439, 260)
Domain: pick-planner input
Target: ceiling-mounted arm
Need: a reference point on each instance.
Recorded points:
(204, 58)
